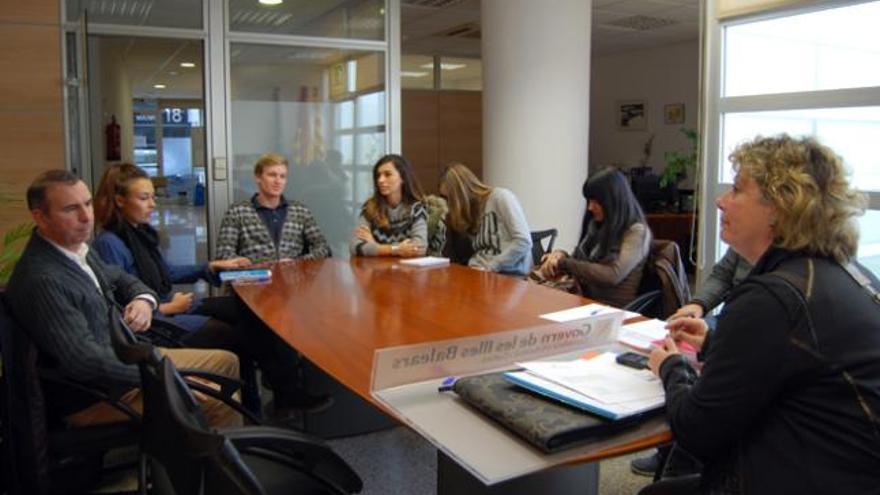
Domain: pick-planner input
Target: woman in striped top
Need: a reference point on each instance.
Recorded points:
(393, 222)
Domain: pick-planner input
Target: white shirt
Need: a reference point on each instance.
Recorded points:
(79, 258)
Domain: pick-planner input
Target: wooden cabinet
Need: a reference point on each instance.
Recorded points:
(676, 227)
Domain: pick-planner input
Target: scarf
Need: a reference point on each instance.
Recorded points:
(143, 242)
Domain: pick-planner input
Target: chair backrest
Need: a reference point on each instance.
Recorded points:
(192, 457)
(664, 272)
(673, 277)
(25, 423)
(195, 459)
(538, 249)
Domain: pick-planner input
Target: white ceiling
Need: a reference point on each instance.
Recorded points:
(618, 25)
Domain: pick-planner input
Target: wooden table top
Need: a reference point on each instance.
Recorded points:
(337, 313)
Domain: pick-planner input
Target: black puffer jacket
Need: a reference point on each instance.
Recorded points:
(789, 398)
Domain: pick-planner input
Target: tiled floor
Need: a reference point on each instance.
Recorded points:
(399, 461)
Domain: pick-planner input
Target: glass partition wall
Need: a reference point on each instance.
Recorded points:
(307, 79)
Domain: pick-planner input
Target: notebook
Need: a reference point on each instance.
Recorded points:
(547, 424)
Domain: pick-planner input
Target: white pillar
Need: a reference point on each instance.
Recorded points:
(536, 107)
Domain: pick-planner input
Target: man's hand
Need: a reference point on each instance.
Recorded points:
(230, 264)
(139, 315)
(687, 311)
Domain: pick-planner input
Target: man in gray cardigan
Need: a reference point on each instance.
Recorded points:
(59, 294)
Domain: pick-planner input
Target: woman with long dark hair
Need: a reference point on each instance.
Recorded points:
(393, 222)
(607, 262)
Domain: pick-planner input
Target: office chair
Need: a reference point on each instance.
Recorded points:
(538, 249)
(664, 287)
(40, 454)
(188, 457)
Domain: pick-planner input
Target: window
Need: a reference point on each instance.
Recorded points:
(813, 73)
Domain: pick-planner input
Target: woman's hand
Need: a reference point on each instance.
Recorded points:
(409, 249)
(180, 303)
(687, 311)
(659, 354)
(690, 330)
(230, 264)
(550, 263)
(363, 233)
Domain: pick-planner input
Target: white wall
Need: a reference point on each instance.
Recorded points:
(659, 76)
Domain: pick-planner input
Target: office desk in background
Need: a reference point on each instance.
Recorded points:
(337, 313)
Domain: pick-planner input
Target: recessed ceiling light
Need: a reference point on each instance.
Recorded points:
(406, 73)
(188, 65)
(159, 86)
(271, 2)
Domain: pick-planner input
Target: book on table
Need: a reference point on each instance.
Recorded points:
(246, 276)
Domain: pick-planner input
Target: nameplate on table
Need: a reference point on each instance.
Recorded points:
(393, 366)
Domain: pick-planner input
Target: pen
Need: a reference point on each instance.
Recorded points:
(447, 384)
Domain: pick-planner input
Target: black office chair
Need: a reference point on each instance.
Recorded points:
(40, 454)
(538, 249)
(188, 457)
(664, 287)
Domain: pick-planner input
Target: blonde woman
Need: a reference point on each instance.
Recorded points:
(789, 398)
(491, 218)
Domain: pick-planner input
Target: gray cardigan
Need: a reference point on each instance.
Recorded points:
(58, 305)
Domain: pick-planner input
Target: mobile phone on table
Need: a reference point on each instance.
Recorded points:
(633, 360)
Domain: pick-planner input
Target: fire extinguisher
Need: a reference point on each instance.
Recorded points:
(113, 135)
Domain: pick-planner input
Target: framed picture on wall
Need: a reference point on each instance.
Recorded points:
(673, 113)
(632, 115)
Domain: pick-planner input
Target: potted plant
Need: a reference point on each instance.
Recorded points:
(679, 164)
(13, 244)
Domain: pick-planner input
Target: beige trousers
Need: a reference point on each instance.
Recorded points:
(216, 412)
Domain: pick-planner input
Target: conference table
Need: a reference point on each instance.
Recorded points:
(338, 313)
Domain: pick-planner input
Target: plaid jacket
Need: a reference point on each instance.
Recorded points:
(243, 233)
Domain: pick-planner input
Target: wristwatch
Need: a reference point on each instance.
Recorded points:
(395, 248)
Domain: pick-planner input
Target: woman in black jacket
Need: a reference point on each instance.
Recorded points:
(789, 398)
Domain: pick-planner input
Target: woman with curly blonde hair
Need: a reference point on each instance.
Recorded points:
(789, 398)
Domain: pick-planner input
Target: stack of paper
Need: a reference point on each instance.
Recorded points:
(425, 261)
(643, 335)
(598, 385)
(648, 334)
(585, 312)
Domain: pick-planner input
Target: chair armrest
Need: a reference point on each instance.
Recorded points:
(297, 450)
(93, 392)
(644, 302)
(225, 398)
